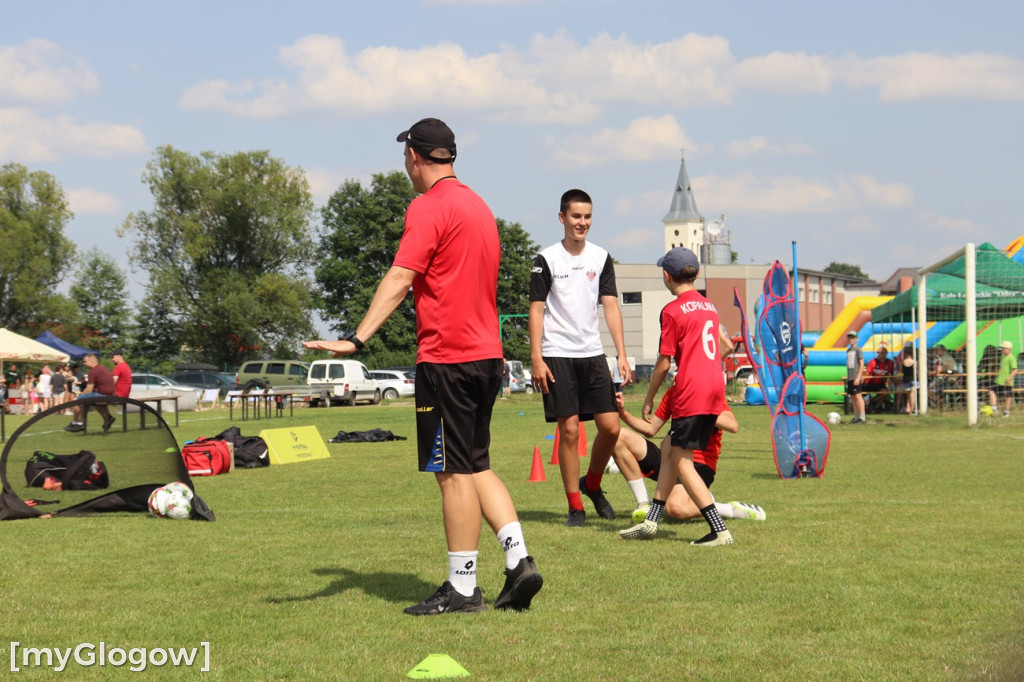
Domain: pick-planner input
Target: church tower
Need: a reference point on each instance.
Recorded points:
(684, 225)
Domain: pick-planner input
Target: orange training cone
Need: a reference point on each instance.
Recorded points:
(554, 451)
(581, 445)
(537, 470)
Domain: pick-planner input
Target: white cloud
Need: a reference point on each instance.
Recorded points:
(38, 70)
(88, 200)
(29, 138)
(918, 76)
(385, 79)
(758, 144)
(785, 72)
(635, 238)
(644, 139)
(964, 228)
(788, 194)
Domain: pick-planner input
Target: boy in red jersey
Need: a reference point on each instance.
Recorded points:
(639, 458)
(689, 334)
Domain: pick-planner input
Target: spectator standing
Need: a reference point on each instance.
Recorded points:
(44, 388)
(28, 393)
(506, 378)
(1003, 387)
(855, 378)
(907, 366)
(449, 255)
(59, 384)
(122, 375)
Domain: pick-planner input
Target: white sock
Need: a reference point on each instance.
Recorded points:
(462, 572)
(510, 537)
(639, 491)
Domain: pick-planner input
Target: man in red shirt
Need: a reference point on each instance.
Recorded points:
(122, 375)
(99, 383)
(876, 378)
(449, 255)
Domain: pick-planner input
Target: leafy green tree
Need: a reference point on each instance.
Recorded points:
(517, 253)
(100, 292)
(34, 253)
(846, 269)
(154, 334)
(359, 239)
(226, 244)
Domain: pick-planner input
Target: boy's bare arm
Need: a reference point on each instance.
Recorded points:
(613, 318)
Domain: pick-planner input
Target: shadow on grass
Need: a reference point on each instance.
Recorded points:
(393, 587)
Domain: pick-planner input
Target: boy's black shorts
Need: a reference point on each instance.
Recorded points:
(582, 386)
(453, 415)
(693, 432)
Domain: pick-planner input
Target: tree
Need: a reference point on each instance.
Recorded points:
(100, 292)
(34, 253)
(845, 269)
(358, 242)
(225, 245)
(154, 333)
(517, 254)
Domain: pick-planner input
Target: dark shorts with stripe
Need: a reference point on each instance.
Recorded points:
(582, 387)
(453, 415)
(853, 389)
(652, 464)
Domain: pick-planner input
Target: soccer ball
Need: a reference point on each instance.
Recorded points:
(986, 410)
(179, 501)
(158, 502)
(171, 501)
(834, 418)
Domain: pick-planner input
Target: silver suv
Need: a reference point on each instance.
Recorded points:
(272, 373)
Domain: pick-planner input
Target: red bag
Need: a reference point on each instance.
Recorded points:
(206, 457)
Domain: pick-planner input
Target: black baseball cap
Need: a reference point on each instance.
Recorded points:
(429, 134)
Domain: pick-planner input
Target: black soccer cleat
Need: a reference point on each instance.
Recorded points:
(576, 518)
(448, 600)
(601, 503)
(108, 422)
(521, 584)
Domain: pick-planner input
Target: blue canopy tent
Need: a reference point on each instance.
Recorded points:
(76, 352)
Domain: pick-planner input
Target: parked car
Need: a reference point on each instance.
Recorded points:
(394, 384)
(260, 374)
(203, 379)
(144, 380)
(344, 381)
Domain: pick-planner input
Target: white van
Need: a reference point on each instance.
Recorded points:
(341, 381)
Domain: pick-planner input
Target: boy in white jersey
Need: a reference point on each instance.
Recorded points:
(569, 279)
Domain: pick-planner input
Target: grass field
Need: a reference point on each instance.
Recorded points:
(903, 562)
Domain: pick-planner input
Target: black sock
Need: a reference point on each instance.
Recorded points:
(656, 511)
(713, 517)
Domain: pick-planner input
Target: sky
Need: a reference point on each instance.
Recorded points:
(882, 134)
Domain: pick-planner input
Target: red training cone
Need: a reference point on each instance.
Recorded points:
(554, 451)
(581, 445)
(537, 470)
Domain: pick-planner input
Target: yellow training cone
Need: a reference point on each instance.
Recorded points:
(437, 666)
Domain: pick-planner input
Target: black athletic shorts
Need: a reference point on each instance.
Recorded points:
(852, 389)
(1002, 390)
(693, 432)
(706, 473)
(453, 415)
(651, 464)
(582, 386)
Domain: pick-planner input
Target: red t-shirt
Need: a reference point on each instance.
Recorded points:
(101, 379)
(708, 456)
(689, 333)
(451, 240)
(123, 375)
(877, 370)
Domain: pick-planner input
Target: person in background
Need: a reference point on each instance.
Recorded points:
(58, 384)
(122, 375)
(100, 383)
(907, 368)
(1003, 386)
(878, 373)
(855, 378)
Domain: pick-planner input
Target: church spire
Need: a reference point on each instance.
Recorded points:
(684, 206)
(684, 225)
